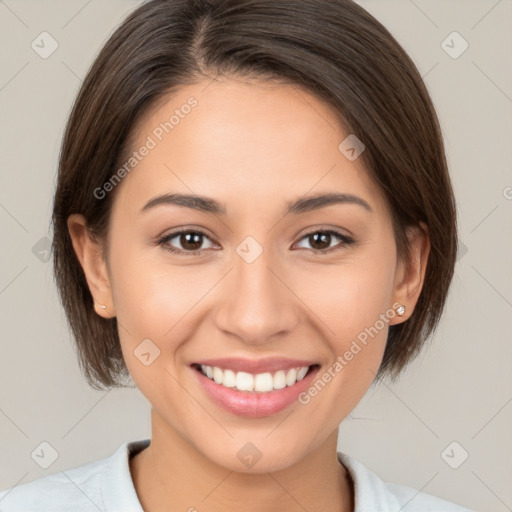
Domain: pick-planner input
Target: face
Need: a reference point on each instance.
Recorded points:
(254, 279)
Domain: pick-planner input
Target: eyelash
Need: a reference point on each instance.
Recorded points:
(163, 240)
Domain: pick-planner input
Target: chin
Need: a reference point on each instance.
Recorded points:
(252, 457)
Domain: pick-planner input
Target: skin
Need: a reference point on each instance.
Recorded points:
(253, 147)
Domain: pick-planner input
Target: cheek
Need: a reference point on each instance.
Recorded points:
(149, 308)
(350, 300)
(350, 296)
(149, 293)
(156, 301)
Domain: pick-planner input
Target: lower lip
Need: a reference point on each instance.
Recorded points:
(253, 404)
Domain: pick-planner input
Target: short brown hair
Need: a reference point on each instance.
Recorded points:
(332, 48)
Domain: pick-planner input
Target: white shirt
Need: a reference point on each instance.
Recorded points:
(106, 485)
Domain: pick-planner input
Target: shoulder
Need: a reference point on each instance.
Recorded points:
(422, 502)
(71, 490)
(104, 484)
(372, 493)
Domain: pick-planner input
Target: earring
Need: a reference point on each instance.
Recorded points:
(400, 310)
(102, 306)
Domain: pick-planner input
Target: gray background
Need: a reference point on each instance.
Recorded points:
(461, 388)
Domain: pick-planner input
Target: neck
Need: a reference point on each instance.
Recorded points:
(170, 471)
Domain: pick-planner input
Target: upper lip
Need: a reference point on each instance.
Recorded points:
(269, 364)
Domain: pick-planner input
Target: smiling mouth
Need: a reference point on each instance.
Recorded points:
(255, 383)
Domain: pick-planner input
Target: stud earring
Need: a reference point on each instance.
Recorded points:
(400, 310)
(102, 306)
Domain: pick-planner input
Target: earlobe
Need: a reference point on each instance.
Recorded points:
(90, 254)
(409, 279)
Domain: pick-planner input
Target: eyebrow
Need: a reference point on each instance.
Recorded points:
(301, 205)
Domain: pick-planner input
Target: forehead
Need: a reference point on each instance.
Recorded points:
(241, 141)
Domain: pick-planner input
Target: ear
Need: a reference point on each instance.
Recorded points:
(90, 253)
(409, 278)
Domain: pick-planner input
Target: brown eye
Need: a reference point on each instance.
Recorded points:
(188, 242)
(320, 241)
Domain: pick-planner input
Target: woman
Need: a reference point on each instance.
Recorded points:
(254, 221)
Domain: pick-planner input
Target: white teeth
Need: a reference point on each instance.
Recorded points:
(301, 373)
(244, 381)
(279, 379)
(218, 375)
(208, 370)
(229, 379)
(261, 382)
(291, 377)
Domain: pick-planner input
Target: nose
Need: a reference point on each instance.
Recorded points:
(257, 303)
